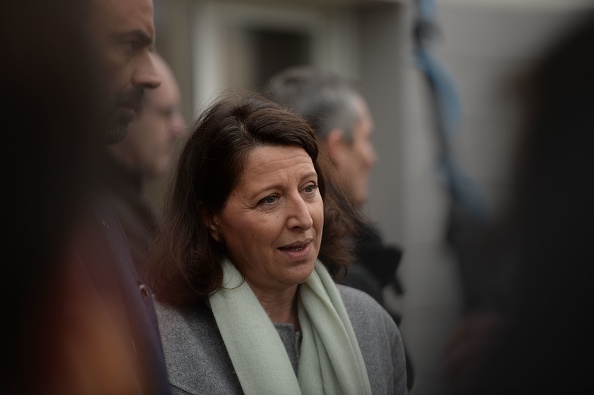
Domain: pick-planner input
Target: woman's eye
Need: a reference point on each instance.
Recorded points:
(311, 188)
(270, 199)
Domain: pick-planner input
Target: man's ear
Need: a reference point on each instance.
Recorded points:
(335, 145)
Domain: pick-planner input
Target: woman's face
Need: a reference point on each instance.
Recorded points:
(272, 221)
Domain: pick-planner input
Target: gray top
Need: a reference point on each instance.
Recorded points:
(198, 363)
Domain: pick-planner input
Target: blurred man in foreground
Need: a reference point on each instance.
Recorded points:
(87, 323)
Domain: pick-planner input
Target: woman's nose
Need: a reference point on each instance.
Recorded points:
(298, 215)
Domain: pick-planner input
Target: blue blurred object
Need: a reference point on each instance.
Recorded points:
(465, 195)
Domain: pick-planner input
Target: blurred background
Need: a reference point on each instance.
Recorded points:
(484, 47)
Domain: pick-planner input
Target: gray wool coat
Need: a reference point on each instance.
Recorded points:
(198, 363)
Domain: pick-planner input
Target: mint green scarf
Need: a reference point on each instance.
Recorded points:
(330, 361)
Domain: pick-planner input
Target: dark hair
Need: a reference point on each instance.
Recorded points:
(185, 265)
(325, 99)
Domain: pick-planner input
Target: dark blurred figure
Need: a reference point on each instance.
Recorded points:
(143, 156)
(49, 127)
(339, 115)
(72, 77)
(532, 333)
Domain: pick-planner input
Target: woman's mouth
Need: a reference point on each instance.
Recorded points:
(297, 251)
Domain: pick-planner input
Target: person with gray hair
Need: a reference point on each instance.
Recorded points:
(326, 100)
(340, 117)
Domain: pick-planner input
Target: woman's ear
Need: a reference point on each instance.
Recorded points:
(215, 231)
(211, 222)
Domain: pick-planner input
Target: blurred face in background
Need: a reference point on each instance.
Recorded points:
(124, 33)
(149, 145)
(355, 159)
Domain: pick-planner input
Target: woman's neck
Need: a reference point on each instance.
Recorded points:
(280, 306)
